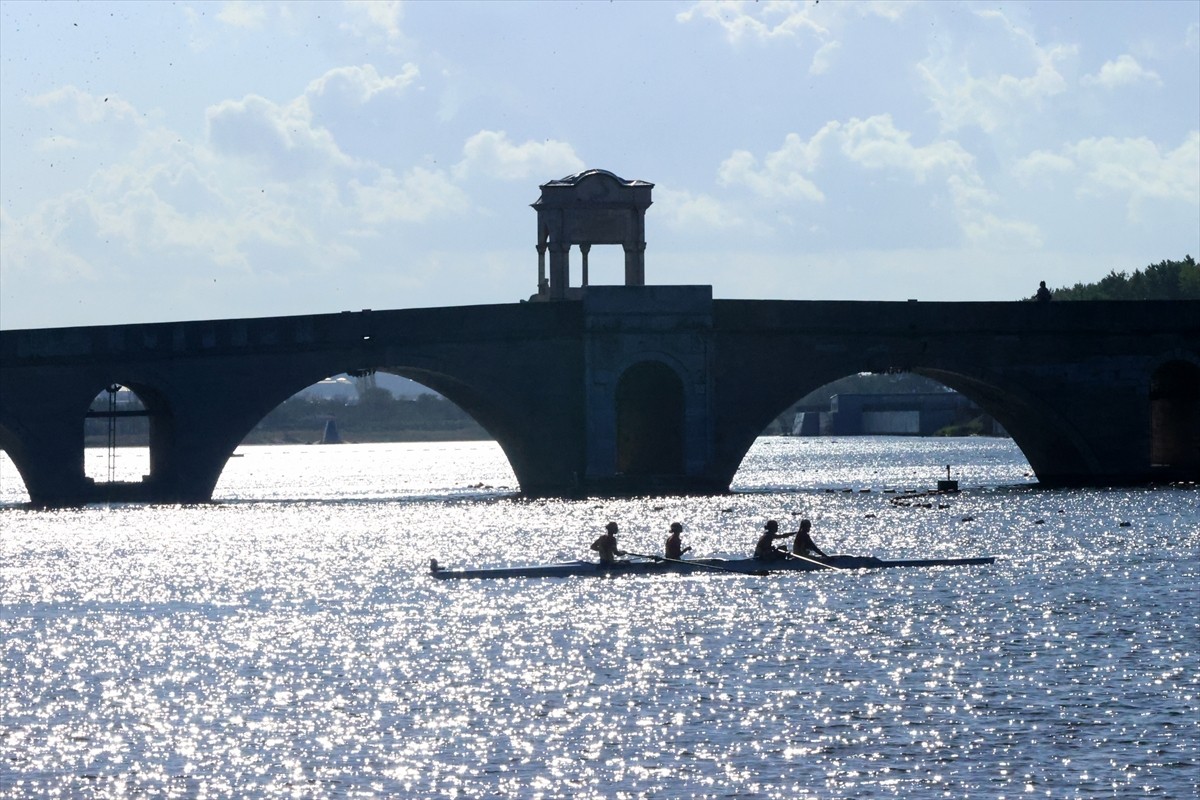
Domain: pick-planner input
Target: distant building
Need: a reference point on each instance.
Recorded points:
(340, 387)
(918, 414)
(344, 387)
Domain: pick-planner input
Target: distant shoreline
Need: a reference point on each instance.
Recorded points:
(309, 437)
(314, 437)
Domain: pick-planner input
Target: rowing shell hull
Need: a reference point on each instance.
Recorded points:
(710, 566)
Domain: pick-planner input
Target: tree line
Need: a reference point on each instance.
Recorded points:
(376, 416)
(1166, 280)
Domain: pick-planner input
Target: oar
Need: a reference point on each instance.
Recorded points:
(814, 561)
(698, 564)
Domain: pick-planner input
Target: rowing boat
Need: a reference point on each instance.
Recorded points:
(743, 566)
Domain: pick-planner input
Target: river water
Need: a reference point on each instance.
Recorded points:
(288, 642)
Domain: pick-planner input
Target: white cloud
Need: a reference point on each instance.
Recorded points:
(491, 154)
(876, 143)
(280, 138)
(1125, 71)
(101, 115)
(1136, 168)
(372, 17)
(823, 58)
(687, 211)
(31, 245)
(1139, 169)
(749, 20)
(784, 20)
(888, 9)
(159, 211)
(963, 100)
(243, 14)
(419, 195)
(981, 227)
(1040, 164)
(785, 172)
(359, 85)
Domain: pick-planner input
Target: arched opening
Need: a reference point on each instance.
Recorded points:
(1175, 417)
(365, 408)
(599, 265)
(373, 434)
(650, 420)
(116, 437)
(893, 431)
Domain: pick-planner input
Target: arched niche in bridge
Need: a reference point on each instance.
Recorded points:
(1175, 416)
(594, 207)
(118, 436)
(650, 403)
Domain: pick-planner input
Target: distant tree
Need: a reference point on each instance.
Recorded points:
(1166, 280)
(376, 415)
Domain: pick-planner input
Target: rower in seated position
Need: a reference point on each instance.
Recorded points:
(765, 548)
(674, 548)
(804, 544)
(606, 546)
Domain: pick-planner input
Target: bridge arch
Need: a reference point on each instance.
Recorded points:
(1043, 435)
(649, 402)
(1049, 441)
(144, 401)
(1175, 415)
(481, 403)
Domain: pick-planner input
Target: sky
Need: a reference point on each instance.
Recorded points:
(186, 160)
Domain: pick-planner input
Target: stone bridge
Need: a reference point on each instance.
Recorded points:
(626, 389)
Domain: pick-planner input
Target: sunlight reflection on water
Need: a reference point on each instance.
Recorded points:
(287, 643)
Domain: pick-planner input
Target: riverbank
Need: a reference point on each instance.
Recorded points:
(309, 436)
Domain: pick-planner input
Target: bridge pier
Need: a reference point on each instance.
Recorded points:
(648, 378)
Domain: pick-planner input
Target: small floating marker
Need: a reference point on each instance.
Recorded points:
(1039, 522)
(968, 519)
(948, 485)
(864, 491)
(870, 516)
(1124, 524)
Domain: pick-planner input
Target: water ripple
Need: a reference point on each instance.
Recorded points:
(263, 648)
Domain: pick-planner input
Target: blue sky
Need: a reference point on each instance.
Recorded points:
(187, 160)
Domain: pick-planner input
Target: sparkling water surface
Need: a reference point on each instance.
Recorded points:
(287, 641)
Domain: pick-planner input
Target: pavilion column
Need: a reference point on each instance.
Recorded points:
(635, 264)
(542, 286)
(560, 269)
(585, 249)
